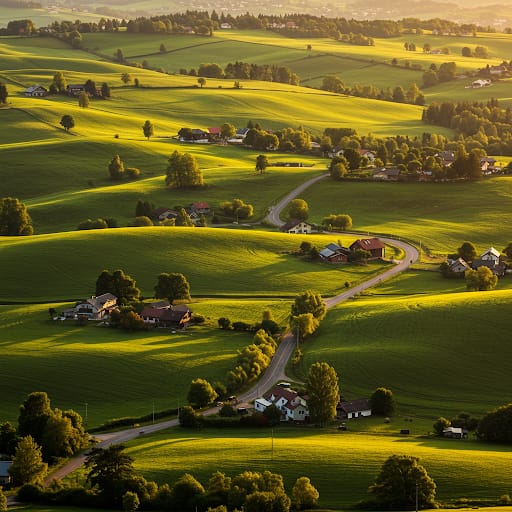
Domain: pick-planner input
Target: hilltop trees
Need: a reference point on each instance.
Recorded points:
(324, 392)
(173, 286)
(400, 478)
(14, 218)
(183, 171)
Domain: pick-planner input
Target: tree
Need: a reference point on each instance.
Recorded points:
(27, 464)
(3, 501)
(467, 251)
(338, 170)
(144, 208)
(400, 478)
(63, 435)
(67, 122)
(482, 279)
(466, 51)
(34, 414)
(105, 90)
(324, 392)
(83, 100)
(227, 131)
(14, 218)
(382, 402)
(304, 494)
(163, 49)
(183, 219)
(126, 78)
(201, 393)
(496, 425)
(131, 501)
(3, 94)
(298, 209)
(122, 285)
(172, 287)
(261, 163)
(8, 438)
(341, 221)
(188, 417)
(304, 324)
(148, 129)
(309, 302)
(508, 250)
(186, 493)
(183, 171)
(440, 425)
(201, 81)
(119, 55)
(59, 82)
(109, 471)
(116, 168)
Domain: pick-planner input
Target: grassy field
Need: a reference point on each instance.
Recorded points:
(435, 351)
(223, 262)
(349, 461)
(441, 217)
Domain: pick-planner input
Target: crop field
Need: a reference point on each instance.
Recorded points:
(434, 351)
(223, 262)
(349, 461)
(440, 217)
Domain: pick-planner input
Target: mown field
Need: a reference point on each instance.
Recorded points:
(440, 216)
(349, 461)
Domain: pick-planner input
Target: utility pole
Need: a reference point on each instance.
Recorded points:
(86, 405)
(272, 453)
(153, 412)
(417, 487)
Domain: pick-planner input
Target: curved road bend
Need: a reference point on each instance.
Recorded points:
(276, 370)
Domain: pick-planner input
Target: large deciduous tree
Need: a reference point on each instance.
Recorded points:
(304, 494)
(497, 425)
(480, 280)
(201, 393)
(67, 122)
(298, 209)
(83, 100)
(27, 464)
(59, 83)
(116, 168)
(324, 392)
(173, 286)
(34, 414)
(186, 493)
(148, 129)
(183, 171)
(309, 302)
(14, 218)
(400, 478)
(467, 251)
(261, 163)
(382, 402)
(119, 284)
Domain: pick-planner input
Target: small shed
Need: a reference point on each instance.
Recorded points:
(354, 409)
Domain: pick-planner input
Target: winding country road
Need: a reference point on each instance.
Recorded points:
(276, 371)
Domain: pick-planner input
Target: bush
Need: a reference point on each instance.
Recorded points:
(30, 493)
(132, 173)
(224, 323)
(198, 319)
(240, 326)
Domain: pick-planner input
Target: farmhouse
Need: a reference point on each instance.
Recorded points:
(373, 245)
(94, 308)
(200, 207)
(481, 82)
(36, 91)
(491, 259)
(293, 407)
(455, 433)
(458, 266)
(5, 477)
(334, 253)
(162, 314)
(75, 89)
(163, 213)
(354, 409)
(296, 226)
(386, 174)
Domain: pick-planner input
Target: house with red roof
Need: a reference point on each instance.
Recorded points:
(373, 245)
(162, 314)
(293, 407)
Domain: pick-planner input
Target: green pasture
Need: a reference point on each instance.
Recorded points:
(440, 216)
(440, 353)
(215, 262)
(348, 462)
(109, 368)
(43, 17)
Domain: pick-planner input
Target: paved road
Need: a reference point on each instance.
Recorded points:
(276, 371)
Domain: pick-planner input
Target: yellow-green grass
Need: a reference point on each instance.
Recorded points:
(109, 368)
(43, 17)
(440, 216)
(440, 354)
(347, 463)
(65, 266)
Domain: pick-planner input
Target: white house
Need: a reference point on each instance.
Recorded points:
(293, 407)
(354, 409)
(94, 308)
(297, 227)
(491, 254)
(260, 404)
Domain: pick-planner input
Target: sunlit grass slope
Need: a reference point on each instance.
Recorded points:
(441, 216)
(118, 373)
(440, 354)
(215, 261)
(346, 463)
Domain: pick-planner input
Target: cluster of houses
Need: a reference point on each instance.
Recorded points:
(491, 259)
(156, 314)
(213, 135)
(38, 91)
(294, 407)
(194, 210)
(335, 253)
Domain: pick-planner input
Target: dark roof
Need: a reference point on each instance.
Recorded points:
(280, 392)
(362, 404)
(4, 468)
